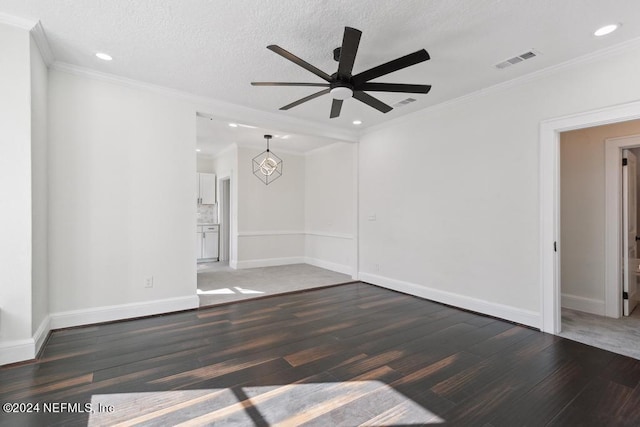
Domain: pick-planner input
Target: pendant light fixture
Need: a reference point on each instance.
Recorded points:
(266, 165)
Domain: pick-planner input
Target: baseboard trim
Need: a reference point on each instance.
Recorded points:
(587, 305)
(22, 350)
(41, 334)
(338, 268)
(67, 319)
(269, 262)
(17, 351)
(524, 317)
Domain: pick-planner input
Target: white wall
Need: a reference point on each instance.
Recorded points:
(330, 194)
(15, 188)
(455, 188)
(40, 190)
(582, 207)
(307, 215)
(117, 218)
(270, 217)
(204, 164)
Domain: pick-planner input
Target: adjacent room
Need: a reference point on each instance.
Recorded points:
(405, 212)
(594, 310)
(266, 234)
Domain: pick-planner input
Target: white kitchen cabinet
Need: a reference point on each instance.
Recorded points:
(210, 243)
(207, 241)
(206, 184)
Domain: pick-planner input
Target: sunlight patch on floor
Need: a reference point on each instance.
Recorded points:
(371, 403)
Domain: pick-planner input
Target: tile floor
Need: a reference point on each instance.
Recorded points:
(620, 336)
(218, 283)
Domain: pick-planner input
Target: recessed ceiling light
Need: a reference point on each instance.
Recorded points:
(357, 122)
(197, 150)
(607, 29)
(233, 125)
(104, 56)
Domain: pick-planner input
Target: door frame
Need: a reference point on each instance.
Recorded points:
(549, 196)
(225, 229)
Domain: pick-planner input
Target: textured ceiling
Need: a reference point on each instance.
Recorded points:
(216, 48)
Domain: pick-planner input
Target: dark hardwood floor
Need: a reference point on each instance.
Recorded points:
(348, 355)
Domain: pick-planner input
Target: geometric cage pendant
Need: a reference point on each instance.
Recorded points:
(266, 165)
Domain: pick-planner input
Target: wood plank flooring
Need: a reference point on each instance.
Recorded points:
(349, 355)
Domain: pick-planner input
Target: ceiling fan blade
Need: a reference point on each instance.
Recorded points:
(350, 43)
(291, 57)
(288, 84)
(305, 99)
(393, 87)
(391, 66)
(336, 106)
(371, 101)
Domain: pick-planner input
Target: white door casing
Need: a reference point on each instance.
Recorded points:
(629, 232)
(224, 205)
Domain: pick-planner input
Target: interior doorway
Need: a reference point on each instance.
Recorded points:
(592, 263)
(598, 271)
(550, 224)
(225, 217)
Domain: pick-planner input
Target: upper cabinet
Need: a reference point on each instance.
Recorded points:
(206, 183)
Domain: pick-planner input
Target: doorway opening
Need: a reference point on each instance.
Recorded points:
(598, 194)
(224, 215)
(596, 238)
(594, 268)
(550, 221)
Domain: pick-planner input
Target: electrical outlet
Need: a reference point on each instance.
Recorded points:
(148, 283)
(371, 217)
(377, 268)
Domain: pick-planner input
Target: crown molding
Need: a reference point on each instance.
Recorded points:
(37, 32)
(220, 109)
(323, 148)
(39, 36)
(536, 75)
(15, 21)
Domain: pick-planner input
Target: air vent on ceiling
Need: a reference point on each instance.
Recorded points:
(403, 102)
(517, 59)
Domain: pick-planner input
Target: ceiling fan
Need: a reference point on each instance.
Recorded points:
(342, 85)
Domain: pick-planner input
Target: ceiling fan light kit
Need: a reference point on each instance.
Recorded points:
(341, 93)
(266, 165)
(342, 85)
